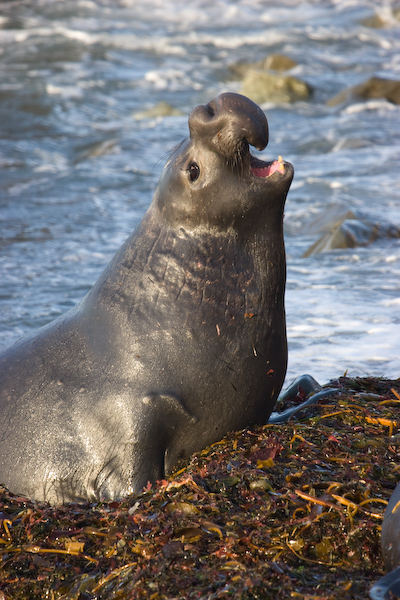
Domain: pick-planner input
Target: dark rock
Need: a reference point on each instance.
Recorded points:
(272, 62)
(375, 87)
(262, 86)
(277, 62)
(161, 109)
(375, 21)
(349, 230)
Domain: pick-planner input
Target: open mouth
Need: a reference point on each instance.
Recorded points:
(259, 168)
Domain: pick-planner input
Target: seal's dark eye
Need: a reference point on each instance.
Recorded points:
(194, 171)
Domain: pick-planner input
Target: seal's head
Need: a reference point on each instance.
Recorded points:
(211, 178)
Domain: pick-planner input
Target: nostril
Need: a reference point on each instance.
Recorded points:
(211, 108)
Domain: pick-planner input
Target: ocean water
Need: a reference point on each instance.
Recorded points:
(78, 168)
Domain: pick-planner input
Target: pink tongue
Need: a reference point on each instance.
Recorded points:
(267, 171)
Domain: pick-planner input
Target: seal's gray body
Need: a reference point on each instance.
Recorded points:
(388, 586)
(182, 338)
(391, 531)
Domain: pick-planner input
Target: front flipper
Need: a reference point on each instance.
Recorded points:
(161, 420)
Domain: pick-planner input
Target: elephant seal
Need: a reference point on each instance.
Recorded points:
(388, 586)
(182, 338)
(391, 531)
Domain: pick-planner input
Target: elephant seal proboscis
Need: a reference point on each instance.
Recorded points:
(182, 338)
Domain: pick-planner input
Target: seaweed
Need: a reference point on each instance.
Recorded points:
(274, 512)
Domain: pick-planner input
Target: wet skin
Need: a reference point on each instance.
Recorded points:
(182, 339)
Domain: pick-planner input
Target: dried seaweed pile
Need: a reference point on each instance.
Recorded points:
(290, 511)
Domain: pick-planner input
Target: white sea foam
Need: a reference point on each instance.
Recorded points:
(71, 91)
(391, 302)
(370, 105)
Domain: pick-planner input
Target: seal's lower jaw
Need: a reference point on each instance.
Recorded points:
(263, 170)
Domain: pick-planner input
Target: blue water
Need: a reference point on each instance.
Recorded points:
(78, 168)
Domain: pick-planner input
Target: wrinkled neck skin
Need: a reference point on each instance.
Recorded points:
(228, 275)
(181, 260)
